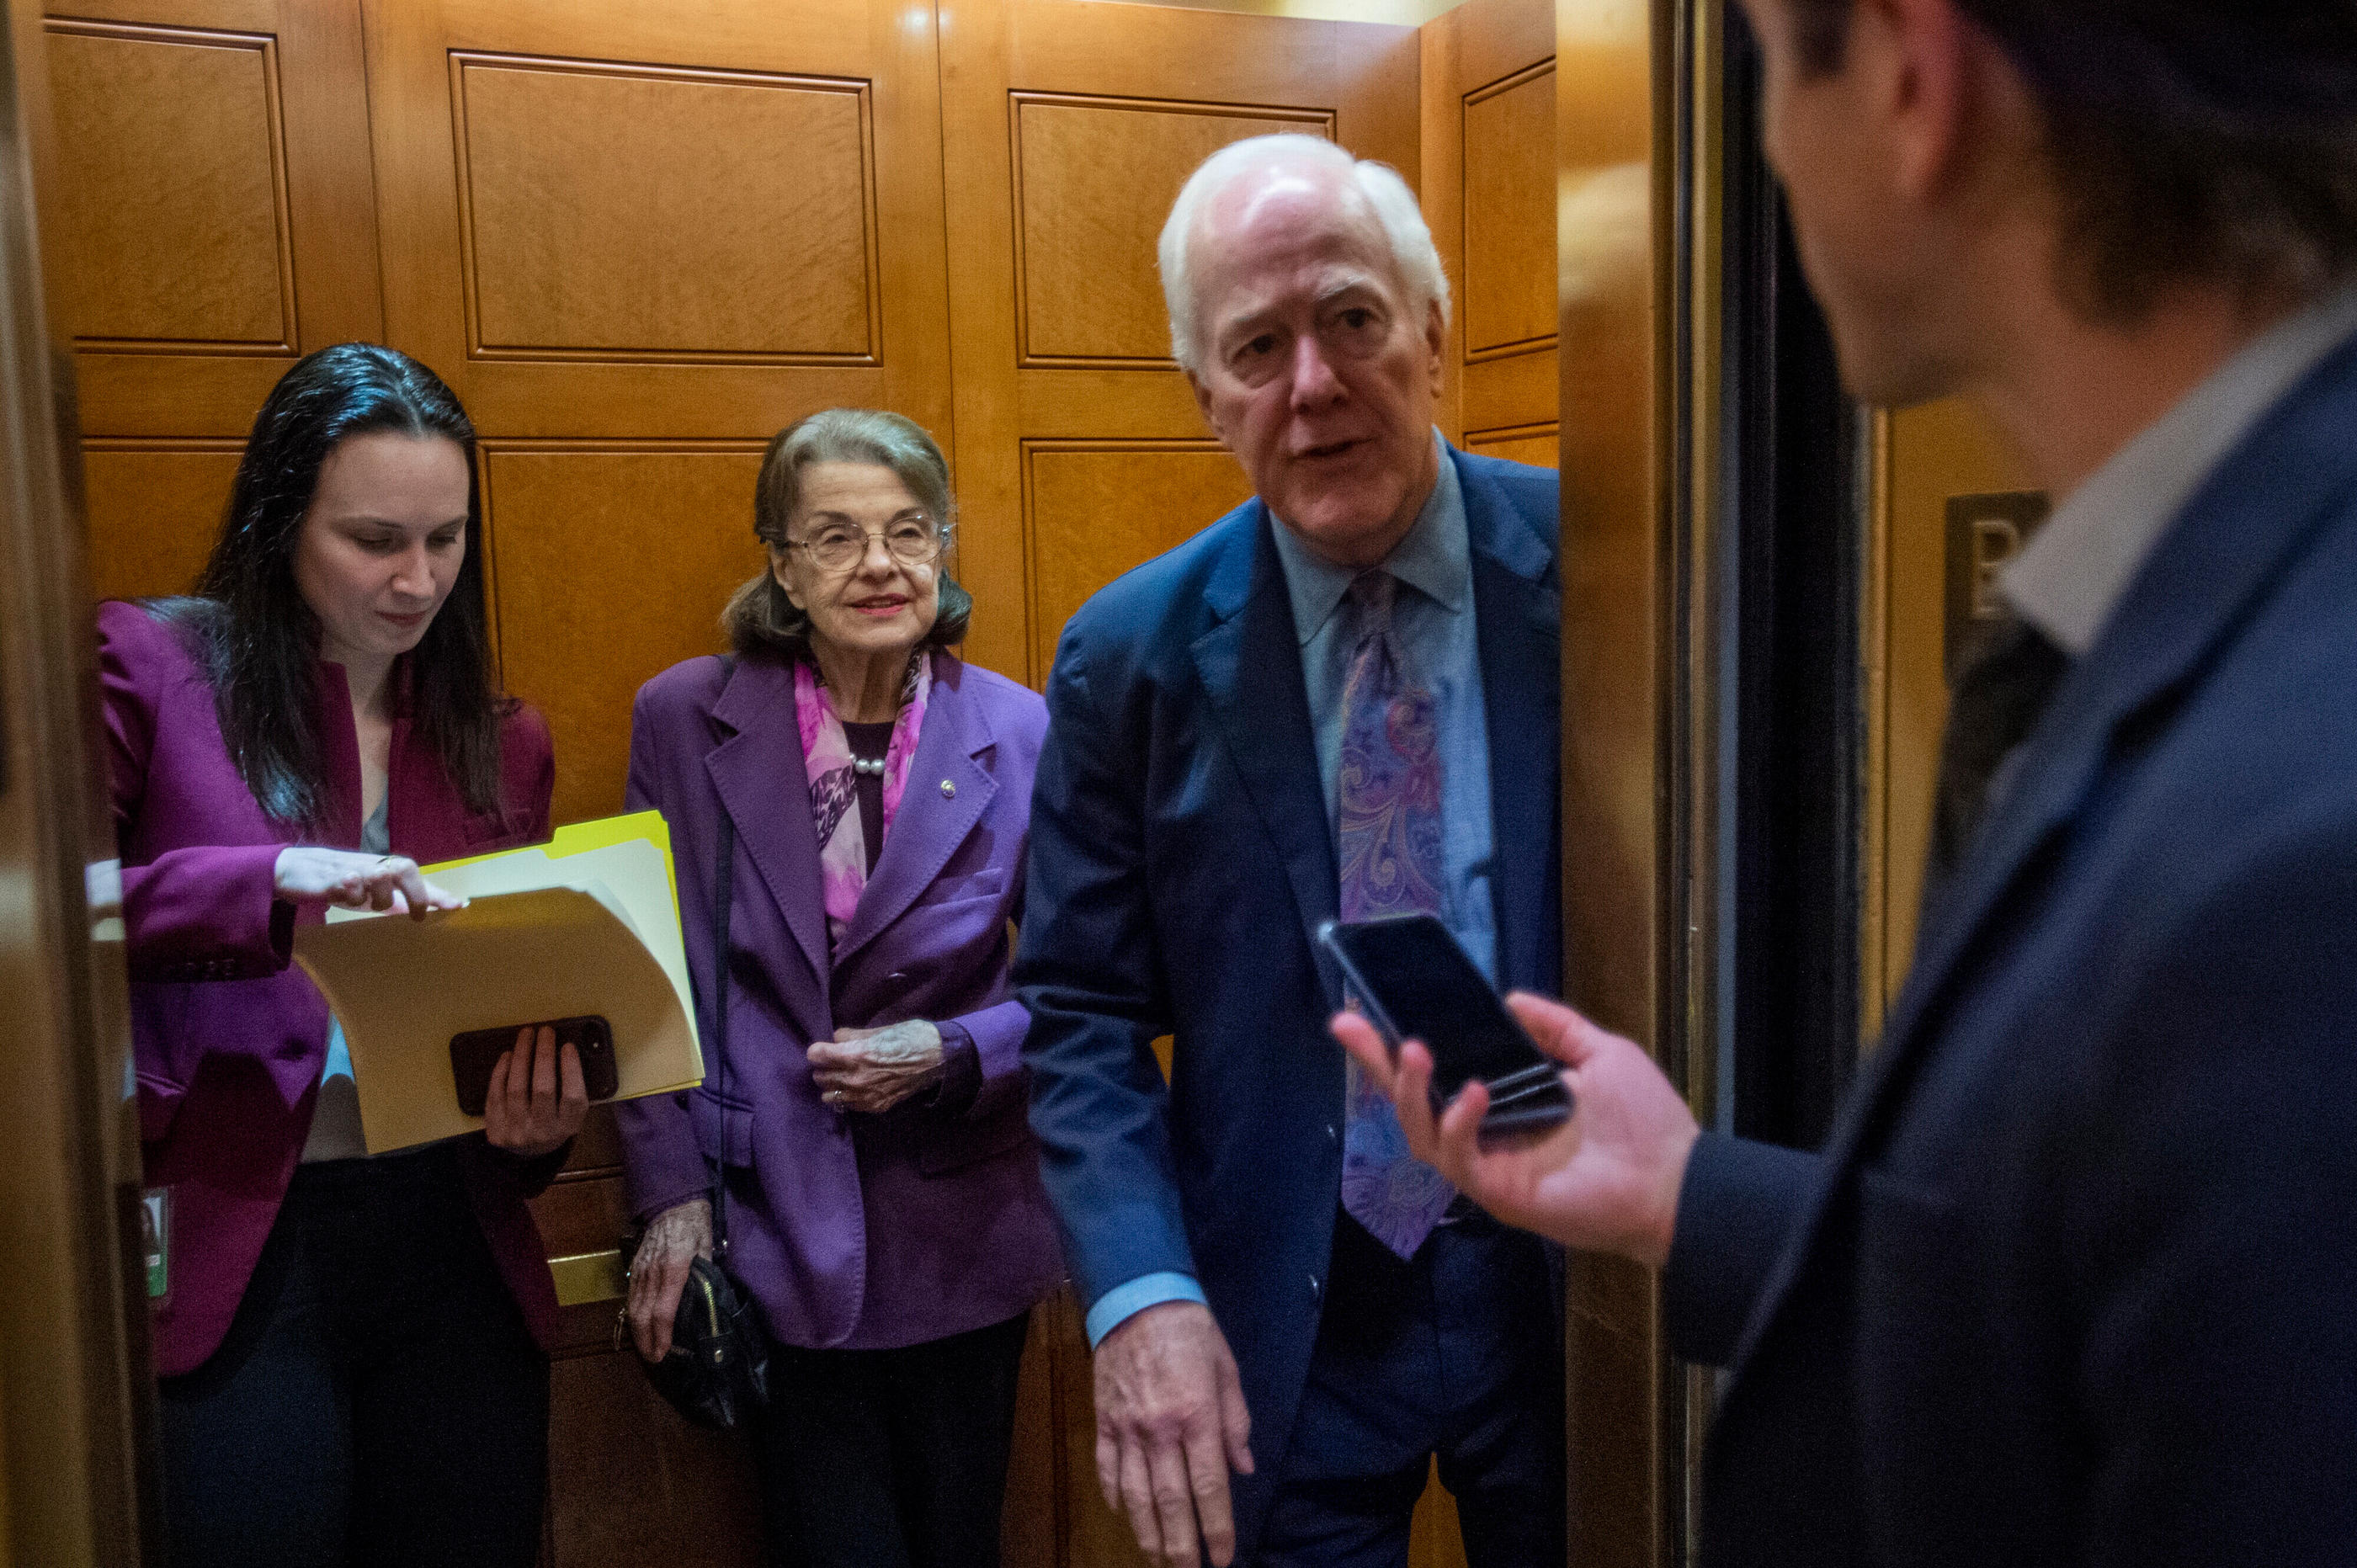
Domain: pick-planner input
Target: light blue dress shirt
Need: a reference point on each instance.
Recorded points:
(336, 1117)
(1433, 627)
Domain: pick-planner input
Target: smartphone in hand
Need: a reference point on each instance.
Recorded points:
(475, 1053)
(1414, 981)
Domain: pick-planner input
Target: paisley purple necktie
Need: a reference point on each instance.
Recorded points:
(1388, 795)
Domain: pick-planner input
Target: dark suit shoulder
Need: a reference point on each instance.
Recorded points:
(1510, 516)
(1165, 597)
(1533, 488)
(691, 685)
(1016, 714)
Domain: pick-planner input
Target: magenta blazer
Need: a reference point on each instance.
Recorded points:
(850, 1231)
(228, 1037)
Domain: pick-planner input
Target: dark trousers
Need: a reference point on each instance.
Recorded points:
(1456, 1353)
(890, 1459)
(378, 1399)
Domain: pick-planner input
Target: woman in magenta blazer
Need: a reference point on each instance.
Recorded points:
(346, 1344)
(865, 1107)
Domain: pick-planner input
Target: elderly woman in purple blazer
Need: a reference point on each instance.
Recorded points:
(864, 1114)
(347, 1344)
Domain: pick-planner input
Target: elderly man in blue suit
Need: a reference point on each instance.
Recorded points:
(1339, 700)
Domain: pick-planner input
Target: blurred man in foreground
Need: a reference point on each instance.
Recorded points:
(2075, 1280)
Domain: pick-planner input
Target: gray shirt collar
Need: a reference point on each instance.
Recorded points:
(1433, 557)
(2070, 577)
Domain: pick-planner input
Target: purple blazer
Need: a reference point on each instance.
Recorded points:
(850, 1231)
(228, 1037)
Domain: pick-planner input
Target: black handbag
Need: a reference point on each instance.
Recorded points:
(717, 1373)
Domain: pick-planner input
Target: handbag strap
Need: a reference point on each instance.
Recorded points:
(723, 873)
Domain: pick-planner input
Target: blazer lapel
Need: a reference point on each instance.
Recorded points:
(340, 818)
(1518, 620)
(764, 787)
(2210, 570)
(1250, 664)
(931, 821)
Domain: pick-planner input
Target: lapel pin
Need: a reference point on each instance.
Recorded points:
(949, 791)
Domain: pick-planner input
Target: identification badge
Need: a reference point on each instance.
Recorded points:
(155, 1240)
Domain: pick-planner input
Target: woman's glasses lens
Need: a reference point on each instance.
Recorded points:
(840, 549)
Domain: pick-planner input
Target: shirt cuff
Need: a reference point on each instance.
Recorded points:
(1124, 1302)
(960, 1078)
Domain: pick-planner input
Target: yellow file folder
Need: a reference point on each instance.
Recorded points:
(585, 923)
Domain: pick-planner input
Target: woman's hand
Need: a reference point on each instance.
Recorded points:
(874, 1070)
(536, 1100)
(307, 874)
(677, 1237)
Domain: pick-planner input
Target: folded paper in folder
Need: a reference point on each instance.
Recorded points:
(588, 923)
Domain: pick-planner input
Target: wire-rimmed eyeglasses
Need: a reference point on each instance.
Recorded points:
(838, 547)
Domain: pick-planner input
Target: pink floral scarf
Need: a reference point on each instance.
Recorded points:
(834, 794)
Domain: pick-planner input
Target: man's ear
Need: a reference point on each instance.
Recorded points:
(1926, 57)
(1436, 342)
(1203, 402)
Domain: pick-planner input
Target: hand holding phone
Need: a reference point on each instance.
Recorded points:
(475, 1053)
(1413, 981)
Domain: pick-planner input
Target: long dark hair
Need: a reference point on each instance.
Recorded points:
(760, 619)
(257, 636)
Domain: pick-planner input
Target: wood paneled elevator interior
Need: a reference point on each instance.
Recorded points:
(638, 240)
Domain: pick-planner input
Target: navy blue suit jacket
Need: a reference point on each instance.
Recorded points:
(1180, 863)
(2076, 1280)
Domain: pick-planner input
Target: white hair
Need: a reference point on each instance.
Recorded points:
(1387, 196)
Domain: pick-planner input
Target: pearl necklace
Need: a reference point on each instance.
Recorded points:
(862, 765)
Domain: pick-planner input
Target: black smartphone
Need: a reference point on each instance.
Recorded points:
(475, 1053)
(1415, 983)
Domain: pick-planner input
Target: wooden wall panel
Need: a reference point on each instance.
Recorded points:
(583, 1214)
(631, 1482)
(608, 564)
(1097, 509)
(1069, 126)
(155, 509)
(1510, 214)
(1538, 446)
(748, 197)
(1094, 179)
(222, 211)
(1509, 390)
(665, 215)
(1488, 98)
(174, 212)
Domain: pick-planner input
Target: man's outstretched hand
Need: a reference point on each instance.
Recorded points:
(1170, 1424)
(1605, 1181)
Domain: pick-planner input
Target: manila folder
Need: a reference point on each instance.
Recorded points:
(402, 988)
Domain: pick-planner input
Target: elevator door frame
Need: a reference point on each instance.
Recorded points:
(76, 1400)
